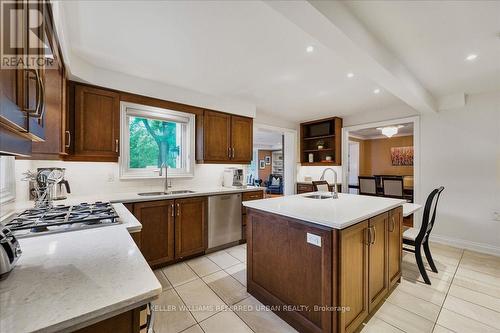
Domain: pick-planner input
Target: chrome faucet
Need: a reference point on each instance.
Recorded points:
(335, 195)
(166, 186)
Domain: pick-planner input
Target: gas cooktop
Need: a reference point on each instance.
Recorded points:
(61, 218)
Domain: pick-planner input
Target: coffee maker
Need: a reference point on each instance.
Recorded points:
(57, 191)
(233, 177)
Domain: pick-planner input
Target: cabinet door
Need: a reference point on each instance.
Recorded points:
(241, 139)
(378, 270)
(217, 136)
(304, 188)
(97, 123)
(395, 247)
(157, 234)
(190, 226)
(354, 276)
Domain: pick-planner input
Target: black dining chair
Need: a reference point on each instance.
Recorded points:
(418, 238)
(393, 187)
(367, 185)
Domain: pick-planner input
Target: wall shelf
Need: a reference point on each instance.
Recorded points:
(328, 131)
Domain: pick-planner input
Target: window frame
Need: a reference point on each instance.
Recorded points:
(128, 109)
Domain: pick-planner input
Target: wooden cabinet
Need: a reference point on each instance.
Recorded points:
(378, 259)
(226, 138)
(190, 226)
(395, 245)
(216, 136)
(241, 139)
(95, 123)
(304, 188)
(126, 322)
(157, 234)
(323, 139)
(354, 267)
(247, 196)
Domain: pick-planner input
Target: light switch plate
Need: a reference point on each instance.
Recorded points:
(314, 239)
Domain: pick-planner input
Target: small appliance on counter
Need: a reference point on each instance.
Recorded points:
(233, 177)
(10, 251)
(57, 190)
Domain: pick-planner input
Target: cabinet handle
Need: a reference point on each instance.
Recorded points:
(178, 210)
(374, 235)
(232, 156)
(68, 144)
(366, 236)
(40, 93)
(392, 225)
(229, 152)
(116, 145)
(172, 209)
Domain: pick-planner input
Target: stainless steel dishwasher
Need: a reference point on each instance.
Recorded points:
(224, 219)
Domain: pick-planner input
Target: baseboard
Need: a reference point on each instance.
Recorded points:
(464, 244)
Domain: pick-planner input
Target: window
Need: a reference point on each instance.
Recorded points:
(152, 137)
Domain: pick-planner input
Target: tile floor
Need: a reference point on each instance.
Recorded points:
(464, 296)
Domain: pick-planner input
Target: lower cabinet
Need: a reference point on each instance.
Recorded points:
(248, 196)
(190, 226)
(157, 234)
(126, 322)
(171, 229)
(371, 253)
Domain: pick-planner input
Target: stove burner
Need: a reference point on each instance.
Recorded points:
(63, 218)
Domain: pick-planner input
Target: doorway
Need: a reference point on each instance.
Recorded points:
(353, 164)
(274, 160)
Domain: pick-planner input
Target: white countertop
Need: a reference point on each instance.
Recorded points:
(339, 213)
(410, 208)
(70, 279)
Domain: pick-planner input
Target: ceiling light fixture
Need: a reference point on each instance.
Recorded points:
(310, 49)
(376, 91)
(471, 57)
(350, 75)
(390, 131)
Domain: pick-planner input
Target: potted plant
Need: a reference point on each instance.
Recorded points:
(320, 144)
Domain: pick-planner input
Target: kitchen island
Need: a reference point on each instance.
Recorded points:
(323, 264)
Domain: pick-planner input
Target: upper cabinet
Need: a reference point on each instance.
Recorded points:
(94, 122)
(321, 142)
(224, 138)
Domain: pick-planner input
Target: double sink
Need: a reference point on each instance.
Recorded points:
(166, 193)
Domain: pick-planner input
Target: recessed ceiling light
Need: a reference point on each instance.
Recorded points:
(471, 57)
(350, 75)
(376, 91)
(310, 49)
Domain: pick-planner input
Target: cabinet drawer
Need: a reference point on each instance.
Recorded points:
(256, 195)
(304, 188)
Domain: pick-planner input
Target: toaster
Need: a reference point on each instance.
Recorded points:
(10, 250)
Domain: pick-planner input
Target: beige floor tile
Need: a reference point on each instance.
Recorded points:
(403, 319)
(481, 264)
(165, 284)
(473, 311)
(225, 322)
(193, 329)
(477, 285)
(444, 247)
(226, 287)
(441, 285)
(488, 259)
(461, 324)
(441, 266)
(239, 272)
(203, 266)
(377, 325)
(421, 290)
(260, 319)
(179, 274)
(223, 259)
(413, 304)
(490, 302)
(171, 316)
(238, 252)
(479, 276)
(200, 299)
(441, 329)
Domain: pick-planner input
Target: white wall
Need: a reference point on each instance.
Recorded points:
(87, 178)
(316, 171)
(460, 149)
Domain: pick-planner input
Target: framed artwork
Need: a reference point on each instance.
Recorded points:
(268, 160)
(402, 156)
(262, 164)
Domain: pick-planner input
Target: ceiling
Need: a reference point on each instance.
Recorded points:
(247, 51)
(433, 38)
(239, 49)
(374, 133)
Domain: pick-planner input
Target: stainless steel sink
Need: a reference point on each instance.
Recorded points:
(166, 193)
(318, 196)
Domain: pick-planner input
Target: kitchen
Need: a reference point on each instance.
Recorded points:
(143, 159)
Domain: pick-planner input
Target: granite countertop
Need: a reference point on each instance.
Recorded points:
(339, 213)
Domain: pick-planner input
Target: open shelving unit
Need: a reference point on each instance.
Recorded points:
(327, 132)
